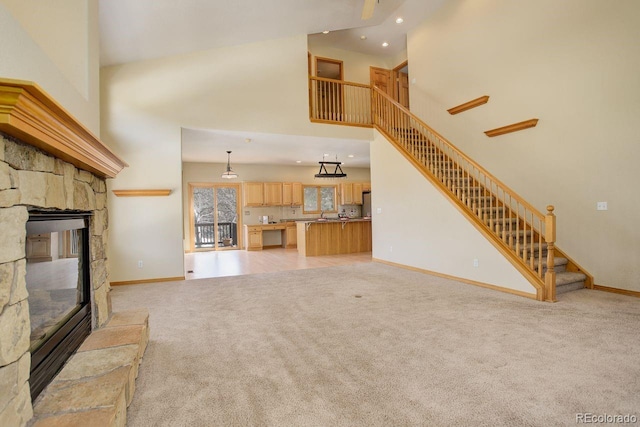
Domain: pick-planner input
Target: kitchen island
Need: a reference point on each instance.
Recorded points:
(333, 237)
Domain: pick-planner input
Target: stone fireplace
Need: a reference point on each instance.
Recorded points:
(50, 163)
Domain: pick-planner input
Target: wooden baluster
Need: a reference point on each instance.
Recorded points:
(550, 238)
(526, 240)
(517, 228)
(532, 254)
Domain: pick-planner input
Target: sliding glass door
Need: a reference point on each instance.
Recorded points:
(215, 216)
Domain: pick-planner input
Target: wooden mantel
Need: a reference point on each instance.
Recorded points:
(27, 112)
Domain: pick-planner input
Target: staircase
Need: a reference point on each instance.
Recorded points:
(525, 236)
(522, 239)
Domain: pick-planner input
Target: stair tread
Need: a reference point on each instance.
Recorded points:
(557, 262)
(568, 277)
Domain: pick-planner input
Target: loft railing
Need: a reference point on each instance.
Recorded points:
(339, 102)
(521, 232)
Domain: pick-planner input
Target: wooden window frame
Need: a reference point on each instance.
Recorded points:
(319, 198)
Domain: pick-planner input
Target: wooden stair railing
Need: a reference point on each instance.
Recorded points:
(516, 228)
(339, 102)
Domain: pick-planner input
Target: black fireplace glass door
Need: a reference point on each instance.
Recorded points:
(54, 278)
(58, 277)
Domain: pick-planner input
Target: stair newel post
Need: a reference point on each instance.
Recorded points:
(550, 238)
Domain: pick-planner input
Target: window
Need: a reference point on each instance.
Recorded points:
(319, 198)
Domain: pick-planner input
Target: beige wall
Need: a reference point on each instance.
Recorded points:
(355, 65)
(210, 173)
(258, 87)
(574, 65)
(419, 227)
(56, 45)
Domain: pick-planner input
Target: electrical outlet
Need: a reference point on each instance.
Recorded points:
(601, 206)
(390, 248)
(140, 264)
(476, 263)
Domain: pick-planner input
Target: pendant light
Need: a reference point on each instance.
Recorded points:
(337, 172)
(229, 173)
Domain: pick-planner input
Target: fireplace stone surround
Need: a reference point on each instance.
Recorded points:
(48, 161)
(32, 178)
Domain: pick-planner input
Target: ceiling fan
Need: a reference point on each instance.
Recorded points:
(367, 9)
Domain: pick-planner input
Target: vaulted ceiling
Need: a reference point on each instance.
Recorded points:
(145, 29)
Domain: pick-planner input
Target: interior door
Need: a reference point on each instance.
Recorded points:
(214, 213)
(403, 89)
(394, 83)
(381, 78)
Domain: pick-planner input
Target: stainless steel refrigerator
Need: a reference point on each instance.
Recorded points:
(366, 203)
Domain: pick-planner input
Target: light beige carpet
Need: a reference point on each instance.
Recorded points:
(300, 348)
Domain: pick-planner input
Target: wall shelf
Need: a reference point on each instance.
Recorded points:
(141, 193)
(469, 105)
(512, 128)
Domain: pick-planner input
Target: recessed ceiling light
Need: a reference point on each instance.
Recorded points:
(325, 32)
(363, 37)
(385, 44)
(351, 156)
(399, 21)
(298, 161)
(247, 140)
(325, 154)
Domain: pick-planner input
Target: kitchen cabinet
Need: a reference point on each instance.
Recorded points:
(291, 194)
(254, 238)
(346, 193)
(333, 237)
(291, 235)
(273, 194)
(351, 192)
(263, 194)
(357, 193)
(38, 247)
(253, 194)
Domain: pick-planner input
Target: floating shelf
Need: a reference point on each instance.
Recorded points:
(512, 128)
(141, 193)
(469, 105)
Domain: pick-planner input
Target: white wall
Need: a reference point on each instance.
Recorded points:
(56, 45)
(421, 228)
(572, 64)
(259, 87)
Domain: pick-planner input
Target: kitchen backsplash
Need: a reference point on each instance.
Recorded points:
(253, 215)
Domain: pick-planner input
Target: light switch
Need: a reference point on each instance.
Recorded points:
(379, 210)
(601, 206)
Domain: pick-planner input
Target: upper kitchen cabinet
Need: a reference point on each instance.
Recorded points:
(273, 193)
(253, 194)
(351, 192)
(263, 194)
(292, 194)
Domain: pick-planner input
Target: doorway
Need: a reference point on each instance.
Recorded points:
(329, 93)
(394, 83)
(214, 216)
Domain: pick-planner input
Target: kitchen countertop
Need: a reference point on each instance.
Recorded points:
(336, 220)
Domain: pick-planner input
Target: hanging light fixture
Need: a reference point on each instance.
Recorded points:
(229, 173)
(337, 172)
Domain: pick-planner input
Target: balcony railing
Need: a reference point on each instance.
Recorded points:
(339, 102)
(206, 234)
